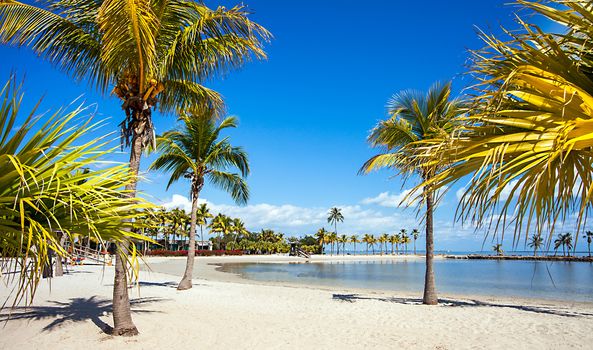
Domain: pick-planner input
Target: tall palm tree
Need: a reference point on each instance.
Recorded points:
(402, 234)
(335, 216)
(203, 214)
(415, 234)
(354, 239)
(196, 152)
(171, 46)
(145, 50)
(372, 241)
(46, 197)
(536, 242)
(321, 235)
(589, 236)
(415, 116)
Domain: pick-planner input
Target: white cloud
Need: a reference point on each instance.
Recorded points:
(295, 220)
(385, 199)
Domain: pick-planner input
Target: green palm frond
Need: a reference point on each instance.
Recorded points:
(43, 190)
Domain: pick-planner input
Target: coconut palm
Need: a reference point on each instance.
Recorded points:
(415, 234)
(415, 116)
(536, 242)
(321, 237)
(45, 195)
(335, 216)
(564, 240)
(354, 239)
(147, 50)
(202, 216)
(402, 233)
(589, 236)
(196, 152)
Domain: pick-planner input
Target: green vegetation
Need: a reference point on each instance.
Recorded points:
(46, 198)
(196, 152)
(415, 117)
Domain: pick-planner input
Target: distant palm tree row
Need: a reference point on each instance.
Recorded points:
(398, 241)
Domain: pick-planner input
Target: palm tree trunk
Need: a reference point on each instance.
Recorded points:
(414, 246)
(59, 267)
(589, 248)
(122, 315)
(191, 253)
(430, 294)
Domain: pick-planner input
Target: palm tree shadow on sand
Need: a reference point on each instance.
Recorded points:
(77, 310)
(468, 303)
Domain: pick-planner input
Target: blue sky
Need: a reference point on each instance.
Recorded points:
(306, 111)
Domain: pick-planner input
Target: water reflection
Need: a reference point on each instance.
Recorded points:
(537, 279)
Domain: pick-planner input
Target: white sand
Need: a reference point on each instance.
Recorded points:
(221, 312)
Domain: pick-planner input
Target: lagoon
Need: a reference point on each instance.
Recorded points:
(565, 281)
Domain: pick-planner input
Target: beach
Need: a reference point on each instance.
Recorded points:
(224, 311)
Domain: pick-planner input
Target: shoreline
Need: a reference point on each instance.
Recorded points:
(211, 269)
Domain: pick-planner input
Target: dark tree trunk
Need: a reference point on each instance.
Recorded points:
(59, 267)
(430, 294)
(122, 315)
(186, 281)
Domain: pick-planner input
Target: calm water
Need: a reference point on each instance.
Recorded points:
(532, 279)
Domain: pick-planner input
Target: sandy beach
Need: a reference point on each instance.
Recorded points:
(224, 311)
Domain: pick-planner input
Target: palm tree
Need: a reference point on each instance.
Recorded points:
(535, 243)
(335, 216)
(321, 237)
(393, 239)
(202, 216)
(196, 152)
(589, 236)
(354, 239)
(372, 241)
(402, 234)
(343, 239)
(415, 234)
(366, 239)
(332, 237)
(528, 143)
(415, 116)
(146, 50)
(566, 242)
(498, 249)
(383, 239)
(405, 241)
(398, 241)
(45, 195)
(239, 229)
(221, 224)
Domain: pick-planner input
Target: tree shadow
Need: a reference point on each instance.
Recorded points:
(469, 303)
(77, 310)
